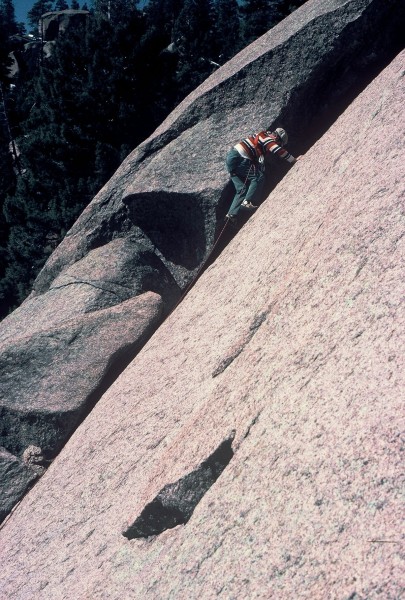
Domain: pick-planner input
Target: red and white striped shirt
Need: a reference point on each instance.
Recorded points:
(260, 144)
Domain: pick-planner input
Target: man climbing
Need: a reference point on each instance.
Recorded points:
(245, 163)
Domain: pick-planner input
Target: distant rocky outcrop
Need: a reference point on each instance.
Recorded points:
(147, 233)
(24, 55)
(27, 50)
(53, 23)
(253, 447)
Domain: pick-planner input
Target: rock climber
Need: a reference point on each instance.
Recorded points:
(245, 163)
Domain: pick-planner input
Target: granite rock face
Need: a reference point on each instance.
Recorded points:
(151, 227)
(289, 348)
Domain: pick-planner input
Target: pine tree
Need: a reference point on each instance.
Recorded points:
(259, 17)
(7, 176)
(61, 5)
(83, 114)
(161, 16)
(7, 181)
(227, 29)
(39, 8)
(43, 204)
(8, 17)
(194, 33)
(7, 22)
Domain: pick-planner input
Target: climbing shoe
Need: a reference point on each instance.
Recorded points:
(248, 205)
(231, 219)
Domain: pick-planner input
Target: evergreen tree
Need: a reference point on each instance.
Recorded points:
(161, 16)
(259, 17)
(39, 8)
(194, 33)
(7, 176)
(6, 182)
(61, 5)
(43, 204)
(227, 28)
(7, 22)
(8, 17)
(84, 114)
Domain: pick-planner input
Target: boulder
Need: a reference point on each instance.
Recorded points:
(252, 447)
(52, 378)
(53, 23)
(117, 271)
(34, 458)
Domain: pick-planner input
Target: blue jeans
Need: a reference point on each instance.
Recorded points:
(247, 177)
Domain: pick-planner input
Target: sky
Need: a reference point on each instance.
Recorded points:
(21, 8)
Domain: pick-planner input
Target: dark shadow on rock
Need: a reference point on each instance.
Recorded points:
(16, 478)
(46, 429)
(176, 502)
(339, 79)
(175, 224)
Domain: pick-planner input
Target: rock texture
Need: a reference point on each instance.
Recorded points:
(299, 75)
(152, 226)
(290, 346)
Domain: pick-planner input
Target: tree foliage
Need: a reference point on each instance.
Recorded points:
(8, 17)
(227, 29)
(38, 9)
